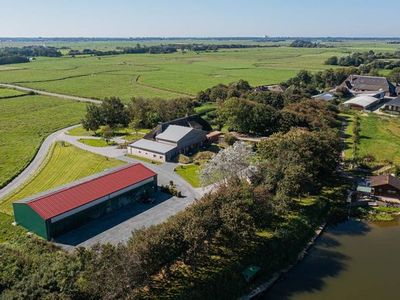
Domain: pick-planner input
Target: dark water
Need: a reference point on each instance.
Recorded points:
(353, 260)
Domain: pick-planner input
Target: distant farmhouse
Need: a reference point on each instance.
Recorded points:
(58, 211)
(358, 84)
(168, 140)
(368, 91)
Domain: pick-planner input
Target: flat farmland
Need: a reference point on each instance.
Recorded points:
(165, 75)
(25, 122)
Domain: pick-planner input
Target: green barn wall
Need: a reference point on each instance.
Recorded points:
(28, 218)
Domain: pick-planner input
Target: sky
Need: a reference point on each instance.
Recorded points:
(199, 18)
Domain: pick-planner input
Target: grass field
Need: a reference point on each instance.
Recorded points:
(25, 122)
(379, 137)
(9, 93)
(166, 75)
(190, 173)
(64, 164)
(96, 142)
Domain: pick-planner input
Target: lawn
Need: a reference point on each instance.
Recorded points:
(80, 131)
(25, 122)
(190, 173)
(379, 137)
(96, 142)
(9, 93)
(64, 164)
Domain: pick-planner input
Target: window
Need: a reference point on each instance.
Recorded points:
(154, 155)
(161, 156)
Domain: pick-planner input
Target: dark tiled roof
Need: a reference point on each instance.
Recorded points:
(369, 83)
(394, 102)
(385, 180)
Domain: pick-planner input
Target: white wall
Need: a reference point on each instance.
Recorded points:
(146, 154)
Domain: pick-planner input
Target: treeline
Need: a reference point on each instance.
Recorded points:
(308, 44)
(138, 113)
(30, 51)
(367, 60)
(15, 55)
(163, 49)
(245, 109)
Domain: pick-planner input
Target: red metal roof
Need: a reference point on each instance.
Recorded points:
(66, 199)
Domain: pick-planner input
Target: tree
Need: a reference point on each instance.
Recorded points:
(93, 118)
(114, 113)
(107, 133)
(333, 61)
(297, 162)
(228, 163)
(394, 75)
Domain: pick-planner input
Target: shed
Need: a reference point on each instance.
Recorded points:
(57, 211)
(385, 186)
(363, 102)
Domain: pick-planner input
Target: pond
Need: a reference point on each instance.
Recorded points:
(353, 260)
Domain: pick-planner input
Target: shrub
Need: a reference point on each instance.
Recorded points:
(183, 159)
(230, 139)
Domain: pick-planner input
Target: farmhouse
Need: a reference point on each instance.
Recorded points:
(362, 102)
(393, 105)
(169, 144)
(365, 84)
(55, 212)
(385, 186)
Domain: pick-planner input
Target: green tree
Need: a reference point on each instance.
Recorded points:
(93, 118)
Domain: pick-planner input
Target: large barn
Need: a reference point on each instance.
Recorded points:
(55, 212)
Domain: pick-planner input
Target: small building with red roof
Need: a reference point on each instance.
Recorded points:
(57, 211)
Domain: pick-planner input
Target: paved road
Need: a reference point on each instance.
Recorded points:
(69, 97)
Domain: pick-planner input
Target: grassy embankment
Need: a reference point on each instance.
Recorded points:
(379, 137)
(64, 164)
(24, 123)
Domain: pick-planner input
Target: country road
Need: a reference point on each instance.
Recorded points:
(39, 92)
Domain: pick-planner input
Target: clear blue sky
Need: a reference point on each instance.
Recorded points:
(132, 18)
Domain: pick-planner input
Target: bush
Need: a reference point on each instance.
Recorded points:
(183, 159)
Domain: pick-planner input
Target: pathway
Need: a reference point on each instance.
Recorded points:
(39, 92)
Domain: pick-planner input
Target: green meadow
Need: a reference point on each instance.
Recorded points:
(25, 122)
(379, 137)
(168, 75)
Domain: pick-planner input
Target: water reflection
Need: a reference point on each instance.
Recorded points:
(353, 260)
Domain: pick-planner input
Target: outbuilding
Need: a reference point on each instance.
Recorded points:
(362, 102)
(56, 212)
(167, 145)
(385, 186)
